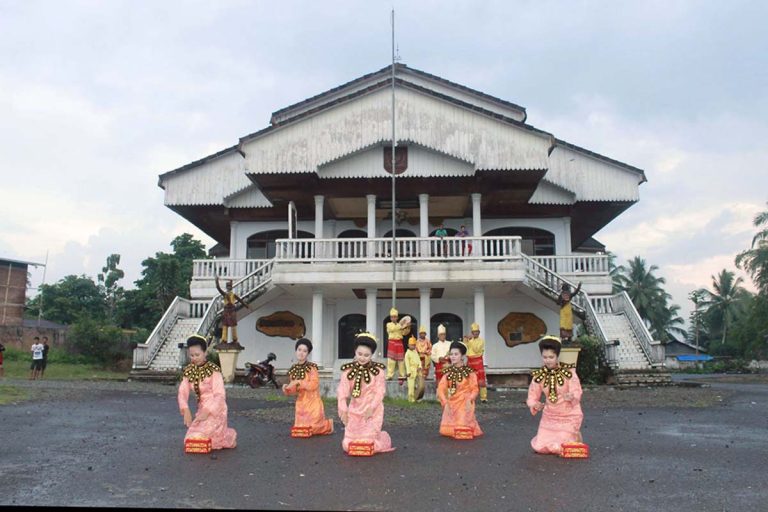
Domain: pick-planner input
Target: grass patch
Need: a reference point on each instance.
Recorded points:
(10, 394)
(63, 371)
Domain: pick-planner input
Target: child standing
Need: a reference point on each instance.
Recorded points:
(412, 368)
(562, 416)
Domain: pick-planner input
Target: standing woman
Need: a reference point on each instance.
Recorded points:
(457, 392)
(305, 383)
(361, 397)
(205, 380)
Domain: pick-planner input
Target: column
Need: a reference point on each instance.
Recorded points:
(372, 319)
(424, 310)
(477, 228)
(480, 311)
(317, 327)
(371, 250)
(233, 239)
(424, 223)
(319, 216)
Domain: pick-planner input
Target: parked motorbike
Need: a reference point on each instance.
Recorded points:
(262, 373)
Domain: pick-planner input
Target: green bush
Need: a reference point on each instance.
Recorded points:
(16, 354)
(97, 342)
(591, 367)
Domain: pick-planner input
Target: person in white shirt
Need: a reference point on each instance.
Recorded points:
(37, 359)
(440, 352)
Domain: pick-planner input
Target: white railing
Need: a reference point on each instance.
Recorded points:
(247, 288)
(406, 249)
(224, 268)
(601, 303)
(197, 308)
(572, 264)
(144, 353)
(544, 277)
(621, 303)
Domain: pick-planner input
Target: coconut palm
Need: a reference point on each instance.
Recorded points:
(724, 303)
(669, 324)
(642, 286)
(755, 259)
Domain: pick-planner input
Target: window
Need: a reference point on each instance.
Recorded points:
(261, 246)
(536, 242)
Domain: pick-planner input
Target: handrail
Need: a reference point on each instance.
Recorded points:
(244, 288)
(622, 303)
(406, 249)
(161, 330)
(576, 263)
(225, 268)
(581, 301)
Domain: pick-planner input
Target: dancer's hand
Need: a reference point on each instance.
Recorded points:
(187, 418)
(285, 388)
(344, 417)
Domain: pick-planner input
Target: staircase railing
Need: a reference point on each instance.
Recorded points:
(581, 302)
(622, 303)
(246, 288)
(144, 354)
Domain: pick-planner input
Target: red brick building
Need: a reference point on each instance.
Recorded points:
(13, 290)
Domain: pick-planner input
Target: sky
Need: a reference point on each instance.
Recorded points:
(97, 98)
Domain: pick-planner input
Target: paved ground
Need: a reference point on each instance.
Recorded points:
(119, 445)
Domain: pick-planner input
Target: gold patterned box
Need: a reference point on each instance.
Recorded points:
(301, 431)
(197, 445)
(361, 448)
(575, 451)
(463, 433)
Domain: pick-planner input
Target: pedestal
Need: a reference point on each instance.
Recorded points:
(228, 360)
(569, 355)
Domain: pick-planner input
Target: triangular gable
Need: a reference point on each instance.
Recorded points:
(549, 193)
(250, 197)
(422, 163)
(422, 118)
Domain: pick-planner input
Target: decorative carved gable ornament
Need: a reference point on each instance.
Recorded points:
(520, 328)
(401, 159)
(282, 323)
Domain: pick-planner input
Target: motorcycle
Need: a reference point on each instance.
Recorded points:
(262, 373)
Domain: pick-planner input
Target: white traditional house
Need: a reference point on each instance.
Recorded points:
(302, 214)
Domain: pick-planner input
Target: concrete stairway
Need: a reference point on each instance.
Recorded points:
(629, 355)
(167, 357)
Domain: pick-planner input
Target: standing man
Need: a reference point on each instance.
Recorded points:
(465, 247)
(424, 348)
(441, 233)
(46, 348)
(37, 359)
(229, 316)
(440, 351)
(395, 349)
(475, 350)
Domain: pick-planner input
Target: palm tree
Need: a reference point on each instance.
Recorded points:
(724, 304)
(669, 323)
(755, 259)
(642, 286)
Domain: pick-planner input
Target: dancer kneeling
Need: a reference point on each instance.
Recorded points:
(457, 392)
(305, 382)
(205, 379)
(363, 383)
(562, 416)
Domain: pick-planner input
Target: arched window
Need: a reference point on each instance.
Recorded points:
(536, 242)
(261, 246)
(401, 233)
(349, 326)
(414, 328)
(454, 327)
(356, 250)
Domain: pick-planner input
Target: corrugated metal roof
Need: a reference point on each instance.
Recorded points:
(20, 262)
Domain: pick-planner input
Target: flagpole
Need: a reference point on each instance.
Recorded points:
(393, 168)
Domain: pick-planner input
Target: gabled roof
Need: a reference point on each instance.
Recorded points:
(598, 156)
(196, 163)
(385, 73)
(20, 262)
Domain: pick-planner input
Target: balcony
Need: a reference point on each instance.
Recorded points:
(420, 260)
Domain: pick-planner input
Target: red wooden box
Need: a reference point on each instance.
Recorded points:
(575, 451)
(361, 448)
(301, 431)
(463, 433)
(197, 446)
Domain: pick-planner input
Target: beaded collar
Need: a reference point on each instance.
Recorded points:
(361, 372)
(197, 374)
(455, 375)
(300, 370)
(551, 378)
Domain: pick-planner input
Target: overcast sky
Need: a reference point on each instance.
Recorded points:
(99, 97)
